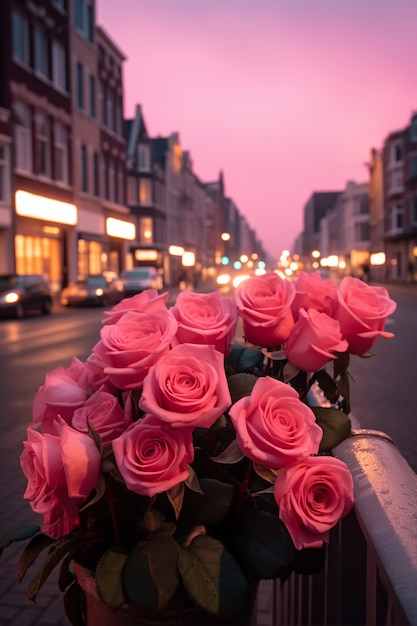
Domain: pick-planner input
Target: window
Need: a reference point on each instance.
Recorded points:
(103, 113)
(362, 205)
(120, 184)
(79, 14)
(83, 169)
(96, 174)
(413, 166)
(41, 52)
(144, 158)
(23, 137)
(110, 109)
(132, 193)
(396, 181)
(92, 96)
(111, 176)
(362, 232)
(413, 129)
(61, 153)
(396, 152)
(145, 193)
(90, 23)
(80, 86)
(4, 186)
(43, 145)
(59, 66)
(20, 37)
(145, 230)
(414, 210)
(397, 217)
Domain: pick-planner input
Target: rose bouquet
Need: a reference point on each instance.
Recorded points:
(188, 456)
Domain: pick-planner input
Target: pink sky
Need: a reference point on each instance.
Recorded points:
(286, 97)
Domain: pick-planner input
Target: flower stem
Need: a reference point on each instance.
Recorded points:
(243, 489)
(113, 512)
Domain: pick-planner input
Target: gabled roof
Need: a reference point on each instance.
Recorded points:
(135, 131)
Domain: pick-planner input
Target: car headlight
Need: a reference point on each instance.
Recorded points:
(99, 292)
(12, 297)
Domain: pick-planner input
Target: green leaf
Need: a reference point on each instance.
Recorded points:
(241, 385)
(54, 557)
(18, 534)
(263, 545)
(192, 481)
(212, 577)
(36, 545)
(241, 359)
(335, 425)
(209, 507)
(108, 578)
(150, 574)
(74, 602)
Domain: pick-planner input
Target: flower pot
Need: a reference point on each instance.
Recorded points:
(97, 613)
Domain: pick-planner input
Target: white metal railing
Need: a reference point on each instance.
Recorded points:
(370, 574)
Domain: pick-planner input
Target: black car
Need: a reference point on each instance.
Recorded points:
(21, 293)
(92, 290)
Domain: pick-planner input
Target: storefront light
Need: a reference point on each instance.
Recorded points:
(176, 250)
(377, 258)
(120, 228)
(188, 259)
(43, 208)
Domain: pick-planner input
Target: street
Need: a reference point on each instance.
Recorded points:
(383, 397)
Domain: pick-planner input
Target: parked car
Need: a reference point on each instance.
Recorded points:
(92, 290)
(21, 293)
(140, 278)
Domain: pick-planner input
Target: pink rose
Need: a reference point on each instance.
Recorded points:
(152, 457)
(128, 348)
(81, 459)
(145, 302)
(104, 413)
(273, 427)
(187, 387)
(313, 340)
(205, 318)
(264, 304)
(314, 292)
(313, 496)
(64, 391)
(362, 311)
(61, 470)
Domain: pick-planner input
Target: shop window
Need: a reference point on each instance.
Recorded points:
(39, 255)
(23, 137)
(90, 254)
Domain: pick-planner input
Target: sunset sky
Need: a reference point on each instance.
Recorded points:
(286, 97)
